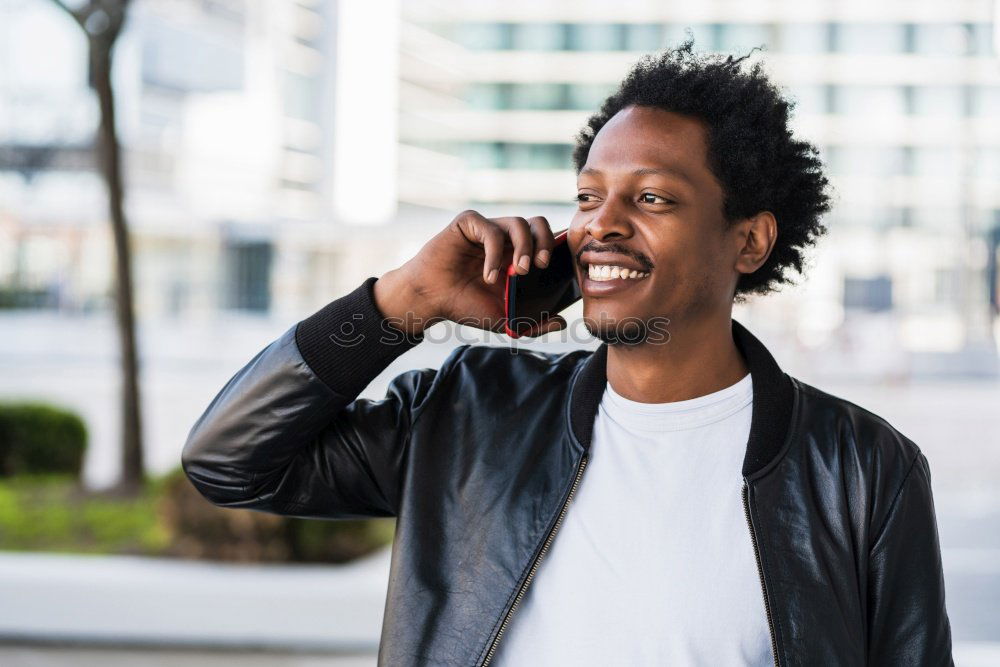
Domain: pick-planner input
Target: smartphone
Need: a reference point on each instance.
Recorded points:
(541, 293)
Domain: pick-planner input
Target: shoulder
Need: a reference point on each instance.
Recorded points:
(854, 424)
(500, 357)
(861, 443)
(512, 370)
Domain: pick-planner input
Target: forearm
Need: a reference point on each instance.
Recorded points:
(275, 407)
(404, 302)
(351, 340)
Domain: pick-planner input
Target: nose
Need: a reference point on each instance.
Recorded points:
(608, 222)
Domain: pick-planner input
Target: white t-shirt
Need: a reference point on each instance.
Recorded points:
(653, 563)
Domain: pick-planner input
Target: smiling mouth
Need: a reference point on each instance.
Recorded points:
(606, 272)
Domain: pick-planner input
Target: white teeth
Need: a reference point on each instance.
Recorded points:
(608, 272)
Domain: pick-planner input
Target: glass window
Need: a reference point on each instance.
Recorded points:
(981, 39)
(870, 216)
(502, 155)
(541, 96)
(909, 160)
(537, 156)
(190, 60)
(803, 37)
(903, 216)
(553, 156)
(516, 156)
(869, 38)
(588, 96)
(301, 96)
(948, 285)
(449, 31)
(808, 98)
(596, 37)
(864, 100)
(539, 36)
(873, 294)
(987, 163)
(877, 161)
(986, 101)
(484, 155)
(939, 101)
(832, 159)
(485, 36)
(741, 37)
(937, 161)
(939, 39)
(644, 37)
(248, 275)
(488, 95)
(705, 34)
(937, 217)
(824, 154)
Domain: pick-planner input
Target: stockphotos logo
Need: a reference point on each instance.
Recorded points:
(626, 331)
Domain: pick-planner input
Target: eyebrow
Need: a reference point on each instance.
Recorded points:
(646, 171)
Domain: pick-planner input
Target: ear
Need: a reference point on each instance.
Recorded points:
(755, 239)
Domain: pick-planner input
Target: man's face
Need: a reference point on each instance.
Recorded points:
(648, 203)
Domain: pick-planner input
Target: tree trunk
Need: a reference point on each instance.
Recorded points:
(131, 479)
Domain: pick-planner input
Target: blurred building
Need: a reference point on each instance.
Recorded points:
(227, 111)
(275, 151)
(901, 98)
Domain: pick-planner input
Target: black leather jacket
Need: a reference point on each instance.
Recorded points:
(478, 462)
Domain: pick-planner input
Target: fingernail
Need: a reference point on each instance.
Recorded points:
(492, 277)
(524, 262)
(543, 257)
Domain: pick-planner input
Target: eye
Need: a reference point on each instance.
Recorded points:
(643, 196)
(583, 197)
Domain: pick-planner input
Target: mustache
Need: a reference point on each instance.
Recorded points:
(615, 248)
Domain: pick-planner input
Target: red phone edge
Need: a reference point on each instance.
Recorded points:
(511, 271)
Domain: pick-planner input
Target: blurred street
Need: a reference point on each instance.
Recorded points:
(303, 616)
(238, 164)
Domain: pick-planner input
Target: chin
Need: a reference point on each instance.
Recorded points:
(628, 330)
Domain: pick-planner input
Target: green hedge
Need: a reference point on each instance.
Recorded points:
(53, 512)
(40, 438)
(199, 529)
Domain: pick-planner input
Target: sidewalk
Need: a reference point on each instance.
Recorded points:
(69, 610)
(139, 602)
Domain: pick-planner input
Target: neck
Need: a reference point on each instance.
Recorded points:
(699, 358)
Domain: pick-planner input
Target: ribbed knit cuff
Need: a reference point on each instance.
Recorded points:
(348, 342)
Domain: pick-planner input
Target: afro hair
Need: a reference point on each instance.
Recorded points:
(751, 151)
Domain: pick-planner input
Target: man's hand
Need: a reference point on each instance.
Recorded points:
(459, 275)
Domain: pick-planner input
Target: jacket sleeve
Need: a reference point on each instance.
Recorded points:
(908, 622)
(288, 435)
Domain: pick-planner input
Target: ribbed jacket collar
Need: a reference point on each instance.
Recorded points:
(773, 398)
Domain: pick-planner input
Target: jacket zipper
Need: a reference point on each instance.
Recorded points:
(534, 566)
(760, 572)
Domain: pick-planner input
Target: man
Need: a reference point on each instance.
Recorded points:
(673, 497)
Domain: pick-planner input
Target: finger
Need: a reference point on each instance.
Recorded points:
(520, 236)
(544, 240)
(493, 240)
(478, 229)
